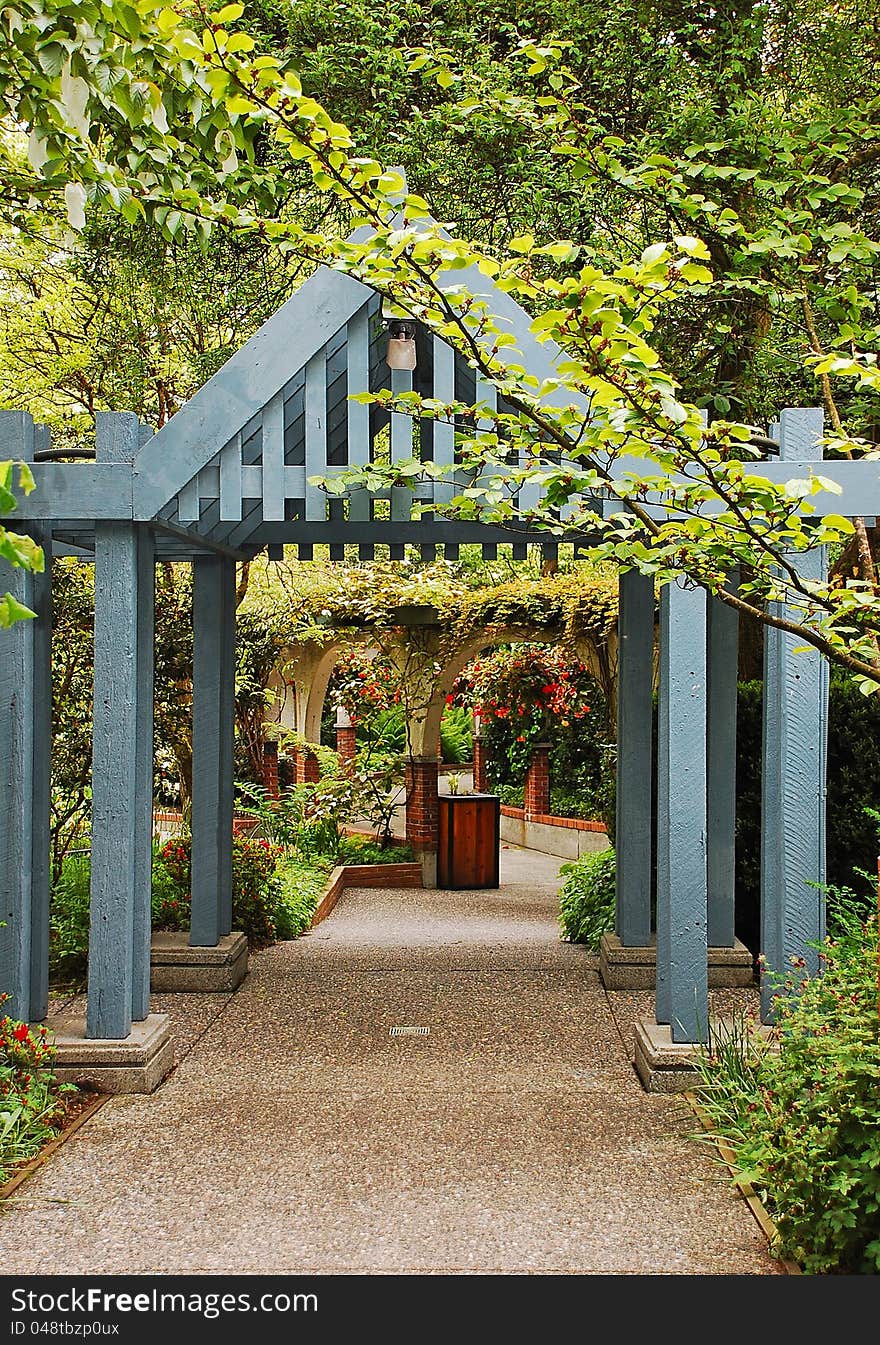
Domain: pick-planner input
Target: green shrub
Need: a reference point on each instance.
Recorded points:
(364, 850)
(31, 1098)
(804, 1121)
(586, 901)
(301, 886)
(457, 735)
(69, 920)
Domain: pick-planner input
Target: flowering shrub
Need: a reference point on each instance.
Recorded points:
(255, 888)
(529, 693)
(31, 1099)
(363, 683)
(804, 1120)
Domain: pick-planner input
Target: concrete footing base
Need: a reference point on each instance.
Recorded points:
(636, 968)
(177, 966)
(135, 1064)
(663, 1065)
(428, 861)
(667, 1066)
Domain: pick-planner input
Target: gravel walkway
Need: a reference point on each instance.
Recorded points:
(297, 1135)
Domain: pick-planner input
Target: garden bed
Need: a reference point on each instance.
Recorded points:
(568, 837)
(79, 1109)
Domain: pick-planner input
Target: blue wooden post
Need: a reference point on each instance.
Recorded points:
(141, 922)
(41, 877)
(213, 728)
(794, 742)
(682, 950)
(723, 646)
(121, 815)
(635, 627)
(25, 744)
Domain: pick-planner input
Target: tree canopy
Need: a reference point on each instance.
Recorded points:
(686, 201)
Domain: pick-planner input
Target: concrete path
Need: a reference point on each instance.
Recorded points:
(297, 1135)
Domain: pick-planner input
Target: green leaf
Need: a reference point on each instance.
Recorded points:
(11, 610)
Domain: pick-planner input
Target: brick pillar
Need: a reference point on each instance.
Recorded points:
(537, 792)
(270, 767)
(481, 762)
(345, 749)
(308, 771)
(421, 804)
(346, 741)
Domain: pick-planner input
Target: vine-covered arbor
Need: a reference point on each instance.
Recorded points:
(231, 475)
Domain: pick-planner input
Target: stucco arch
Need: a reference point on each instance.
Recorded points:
(299, 683)
(426, 727)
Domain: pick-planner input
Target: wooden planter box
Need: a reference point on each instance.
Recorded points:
(469, 848)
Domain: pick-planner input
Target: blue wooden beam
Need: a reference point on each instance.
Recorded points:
(793, 787)
(635, 665)
(273, 452)
(80, 490)
(722, 658)
(213, 710)
(358, 429)
(316, 437)
(682, 948)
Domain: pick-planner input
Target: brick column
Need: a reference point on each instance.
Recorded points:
(270, 767)
(537, 792)
(481, 775)
(308, 771)
(346, 742)
(421, 804)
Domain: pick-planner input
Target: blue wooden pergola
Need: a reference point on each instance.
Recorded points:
(228, 477)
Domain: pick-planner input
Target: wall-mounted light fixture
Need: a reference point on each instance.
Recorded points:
(401, 344)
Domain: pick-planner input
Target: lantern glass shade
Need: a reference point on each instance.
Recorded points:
(401, 345)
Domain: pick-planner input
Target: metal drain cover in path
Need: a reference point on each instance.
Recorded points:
(409, 1032)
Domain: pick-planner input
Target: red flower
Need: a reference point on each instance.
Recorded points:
(450, 698)
(20, 1033)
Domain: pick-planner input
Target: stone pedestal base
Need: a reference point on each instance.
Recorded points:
(636, 968)
(667, 1066)
(663, 1065)
(175, 965)
(135, 1064)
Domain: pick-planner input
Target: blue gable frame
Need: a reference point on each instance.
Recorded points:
(228, 476)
